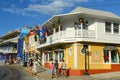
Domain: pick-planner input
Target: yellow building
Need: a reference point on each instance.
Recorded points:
(87, 39)
(30, 41)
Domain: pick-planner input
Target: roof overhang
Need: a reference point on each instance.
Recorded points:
(77, 14)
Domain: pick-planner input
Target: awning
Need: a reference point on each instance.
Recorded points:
(110, 48)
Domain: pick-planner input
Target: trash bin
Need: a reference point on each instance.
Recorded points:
(24, 64)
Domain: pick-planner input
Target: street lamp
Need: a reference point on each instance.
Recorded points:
(84, 51)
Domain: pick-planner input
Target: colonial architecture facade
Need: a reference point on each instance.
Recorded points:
(87, 39)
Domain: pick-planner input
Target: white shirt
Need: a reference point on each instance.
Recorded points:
(35, 66)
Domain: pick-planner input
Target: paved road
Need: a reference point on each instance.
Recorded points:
(18, 72)
(15, 73)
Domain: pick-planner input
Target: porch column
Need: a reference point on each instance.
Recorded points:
(43, 58)
(81, 30)
(75, 56)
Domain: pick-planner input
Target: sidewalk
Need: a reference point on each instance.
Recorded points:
(44, 74)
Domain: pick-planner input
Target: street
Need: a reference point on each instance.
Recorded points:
(12, 72)
(18, 72)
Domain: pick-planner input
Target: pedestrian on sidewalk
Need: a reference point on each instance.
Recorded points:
(35, 66)
(63, 67)
(52, 67)
(30, 66)
(56, 68)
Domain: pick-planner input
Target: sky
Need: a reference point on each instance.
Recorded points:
(16, 14)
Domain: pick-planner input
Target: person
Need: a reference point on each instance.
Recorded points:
(30, 65)
(35, 66)
(56, 67)
(52, 67)
(63, 66)
(80, 23)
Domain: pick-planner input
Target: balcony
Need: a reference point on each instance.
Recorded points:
(68, 36)
(15, 40)
(9, 51)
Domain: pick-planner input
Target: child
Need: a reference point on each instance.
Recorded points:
(52, 69)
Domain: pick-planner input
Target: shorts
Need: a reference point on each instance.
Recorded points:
(63, 69)
(51, 71)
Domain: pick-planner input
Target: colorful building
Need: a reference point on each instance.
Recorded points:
(9, 45)
(30, 40)
(87, 39)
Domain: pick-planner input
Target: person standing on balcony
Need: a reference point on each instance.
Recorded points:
(80, 23)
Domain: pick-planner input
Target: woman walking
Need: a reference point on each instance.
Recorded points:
(30, 65)
(64, 68)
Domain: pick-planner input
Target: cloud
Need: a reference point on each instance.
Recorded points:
(18, 11)
(49, 7)
(52, 8)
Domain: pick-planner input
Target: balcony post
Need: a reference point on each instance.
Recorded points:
(81, 30)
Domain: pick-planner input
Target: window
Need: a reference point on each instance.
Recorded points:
(111, 56)
(114, 56)
(59, 56)
(116, 28)
(108, 27)
(48, 56)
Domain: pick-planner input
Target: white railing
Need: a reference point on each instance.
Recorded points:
(69, 34)
(9, 51)
(12, 39)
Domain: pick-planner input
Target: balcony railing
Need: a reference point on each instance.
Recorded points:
(61, 36)
(9, 51)
(11, 40)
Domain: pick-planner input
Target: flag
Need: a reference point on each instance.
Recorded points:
(41, 32)
(20, 48)
(24, 32)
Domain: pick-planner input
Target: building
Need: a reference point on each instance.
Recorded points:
(9, 45)
(87, 39)
(30, 40)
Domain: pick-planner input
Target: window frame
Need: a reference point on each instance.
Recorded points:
(114, 28)
(110, 57)
(108, 29)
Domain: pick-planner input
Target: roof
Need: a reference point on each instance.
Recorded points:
(85, 11)
(10, 34)
(94, 12)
